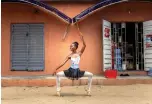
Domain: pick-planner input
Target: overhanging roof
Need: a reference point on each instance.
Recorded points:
(93, 8)
(43, 6)
(100, 5)
(83, 14)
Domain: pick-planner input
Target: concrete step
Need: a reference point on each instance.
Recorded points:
(133, 73)
(51, 81)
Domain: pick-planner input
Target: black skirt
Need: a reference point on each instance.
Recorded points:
(74, 74)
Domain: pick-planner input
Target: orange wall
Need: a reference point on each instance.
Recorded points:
(71, 9)
(55, 49)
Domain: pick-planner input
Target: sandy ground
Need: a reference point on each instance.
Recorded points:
(131, 94)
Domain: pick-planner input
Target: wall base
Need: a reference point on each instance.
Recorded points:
(50, 81)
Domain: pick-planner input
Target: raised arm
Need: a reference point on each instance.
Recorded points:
(82, 39)
(84, 45)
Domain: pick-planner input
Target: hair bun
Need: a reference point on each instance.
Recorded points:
(76, 44)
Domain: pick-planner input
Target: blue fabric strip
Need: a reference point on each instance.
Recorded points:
(45, 6)
(86, 12)
(93, 8)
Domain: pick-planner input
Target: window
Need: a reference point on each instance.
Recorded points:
(27, 47)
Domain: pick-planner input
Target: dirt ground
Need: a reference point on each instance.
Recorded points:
(131, 94)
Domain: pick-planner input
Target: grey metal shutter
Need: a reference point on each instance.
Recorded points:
(19, 49)
(36, 47)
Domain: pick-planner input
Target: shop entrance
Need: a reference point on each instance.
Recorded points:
(128, 49)
(127, 46)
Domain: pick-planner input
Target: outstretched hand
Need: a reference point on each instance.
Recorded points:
(81, 36)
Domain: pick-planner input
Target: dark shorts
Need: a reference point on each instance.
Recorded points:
(74, 74)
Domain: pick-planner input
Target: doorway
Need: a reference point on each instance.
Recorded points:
(127, 39)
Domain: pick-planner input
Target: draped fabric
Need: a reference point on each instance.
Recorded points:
(88, 11)
(44, 6)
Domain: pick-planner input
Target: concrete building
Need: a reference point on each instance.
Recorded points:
(32, 33)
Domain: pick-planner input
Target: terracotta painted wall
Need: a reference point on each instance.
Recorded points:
(71, 9)
(55, 49)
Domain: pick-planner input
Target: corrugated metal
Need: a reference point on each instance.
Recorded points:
(27, 47)
(19, 50)
(36, 47)
(147, 29)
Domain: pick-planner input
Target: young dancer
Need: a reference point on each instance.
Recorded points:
(74, 72)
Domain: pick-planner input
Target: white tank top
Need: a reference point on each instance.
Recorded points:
(75, 62)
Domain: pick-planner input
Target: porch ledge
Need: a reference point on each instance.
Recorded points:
(54, 77)
(49, 80)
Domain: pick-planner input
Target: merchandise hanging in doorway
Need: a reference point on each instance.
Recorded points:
(128, 41)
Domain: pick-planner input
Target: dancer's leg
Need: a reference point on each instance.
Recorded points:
(58, 81)
(89, 75)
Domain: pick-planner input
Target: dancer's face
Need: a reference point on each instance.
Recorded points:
(72, 47)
